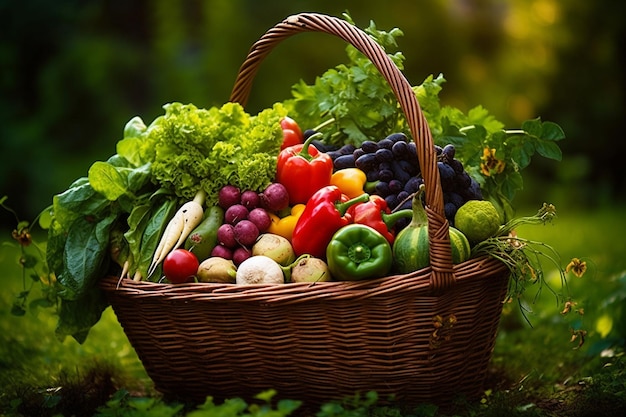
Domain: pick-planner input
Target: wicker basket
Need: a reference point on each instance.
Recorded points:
(427, 336)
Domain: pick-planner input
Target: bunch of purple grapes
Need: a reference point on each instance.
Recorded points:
(390, 165)
(457, 185)
(393, 172)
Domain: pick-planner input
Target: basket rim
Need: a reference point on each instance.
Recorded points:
(415, 282)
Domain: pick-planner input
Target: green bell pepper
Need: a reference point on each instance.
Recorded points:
(357, 252)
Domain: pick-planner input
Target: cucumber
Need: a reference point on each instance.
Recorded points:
(203, 238)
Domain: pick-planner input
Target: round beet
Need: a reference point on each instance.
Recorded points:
(235, 214)
(246, 232)
(228, 196)
(222, 252)
(275, 197)
(260, 218)
(241, 254)
(250, 199)
(226, 235)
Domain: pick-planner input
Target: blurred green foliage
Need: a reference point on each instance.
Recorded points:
(74, 72)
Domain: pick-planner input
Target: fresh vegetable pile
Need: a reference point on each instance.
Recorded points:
(324, 186)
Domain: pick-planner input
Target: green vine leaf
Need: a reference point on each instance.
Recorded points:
(549, 150)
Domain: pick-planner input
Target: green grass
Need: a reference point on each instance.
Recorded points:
(547, 370)
(536, 371)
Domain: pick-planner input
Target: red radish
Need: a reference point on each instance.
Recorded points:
(241, 254)
(226, 235)
(222, 252)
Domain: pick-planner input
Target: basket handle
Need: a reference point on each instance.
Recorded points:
(442, 276)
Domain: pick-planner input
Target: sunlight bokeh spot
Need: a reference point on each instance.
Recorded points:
(546, 11)
(520, 107)
(604, 324)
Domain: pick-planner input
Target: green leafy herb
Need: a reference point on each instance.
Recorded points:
(362, 105)
(77, 317)
(495, 156)
(107, 180)
(146, 226)
(355, 95)
(83, 231)
(85, 255)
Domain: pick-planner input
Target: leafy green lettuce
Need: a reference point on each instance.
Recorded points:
(206, 149)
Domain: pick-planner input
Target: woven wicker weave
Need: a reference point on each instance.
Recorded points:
(427, 336)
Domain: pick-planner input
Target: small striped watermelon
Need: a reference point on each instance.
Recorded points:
(410, 248)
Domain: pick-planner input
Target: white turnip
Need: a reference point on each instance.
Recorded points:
(310, 269)
(259, 270)
(216, 269)
(275, 247)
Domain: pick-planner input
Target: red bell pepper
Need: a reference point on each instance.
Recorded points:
(292, 134)
(324, 214)
(303, 170)
(376, 214)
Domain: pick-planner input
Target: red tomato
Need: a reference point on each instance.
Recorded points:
(180, 265)
(292, 134)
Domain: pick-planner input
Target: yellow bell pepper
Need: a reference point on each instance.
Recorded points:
(350, 181)
(284, 226)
